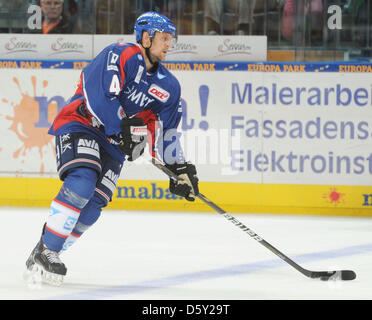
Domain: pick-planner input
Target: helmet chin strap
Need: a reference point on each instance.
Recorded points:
(147, 52)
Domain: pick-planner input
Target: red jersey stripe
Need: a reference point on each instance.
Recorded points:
(69, 114)
(124, 57)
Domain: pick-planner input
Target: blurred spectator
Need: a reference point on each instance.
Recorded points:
(154, 5)
(12, 16)
(362, 12)
(267, 18)
(84, 15)
(300, 10)
(229, 16)
(288, 20)
(72, 6)
(54, 19)
(115, 17)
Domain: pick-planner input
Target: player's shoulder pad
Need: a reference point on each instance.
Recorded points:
(122, 52)
(121, 47)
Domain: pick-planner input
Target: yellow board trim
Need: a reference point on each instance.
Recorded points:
(232, 197)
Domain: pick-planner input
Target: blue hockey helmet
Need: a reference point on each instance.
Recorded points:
(151, 22)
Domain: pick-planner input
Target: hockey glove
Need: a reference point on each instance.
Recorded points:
(133, 141)
(187, 184)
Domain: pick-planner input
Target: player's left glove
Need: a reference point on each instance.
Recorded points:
(134, 137)
(187, 184)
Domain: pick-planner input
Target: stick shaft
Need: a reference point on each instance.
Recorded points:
(341, 274)
(237, 223)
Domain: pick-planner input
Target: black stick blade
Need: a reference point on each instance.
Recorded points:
(336, 275)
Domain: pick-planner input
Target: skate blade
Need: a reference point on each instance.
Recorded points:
(38, 275)
(32, 278)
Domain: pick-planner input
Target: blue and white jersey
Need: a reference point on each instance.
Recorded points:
(116, 84)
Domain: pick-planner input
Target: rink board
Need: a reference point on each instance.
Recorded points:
(232, 197)
(265, 137)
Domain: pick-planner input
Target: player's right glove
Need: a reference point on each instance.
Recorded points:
(134, 137)
(187, 184)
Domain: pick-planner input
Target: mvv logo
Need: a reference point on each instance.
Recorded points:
(367, 199)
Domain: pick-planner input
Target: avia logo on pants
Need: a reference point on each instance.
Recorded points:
(110, 180)
(88, 146)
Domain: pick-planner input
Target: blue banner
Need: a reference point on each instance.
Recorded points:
(206, 66)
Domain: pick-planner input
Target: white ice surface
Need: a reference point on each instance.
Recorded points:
(186, 256)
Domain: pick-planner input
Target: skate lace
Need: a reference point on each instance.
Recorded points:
(52, 256)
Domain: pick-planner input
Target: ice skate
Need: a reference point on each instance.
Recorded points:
(44, 265)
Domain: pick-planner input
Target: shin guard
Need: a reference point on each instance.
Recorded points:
(61, 221)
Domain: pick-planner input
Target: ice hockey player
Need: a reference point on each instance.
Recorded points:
(124, 95)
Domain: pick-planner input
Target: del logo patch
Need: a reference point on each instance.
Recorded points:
(158, 93)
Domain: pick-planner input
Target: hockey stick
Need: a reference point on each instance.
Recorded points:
(323, 275)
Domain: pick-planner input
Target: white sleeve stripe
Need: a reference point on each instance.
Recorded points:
(157, 135)
(88, 104)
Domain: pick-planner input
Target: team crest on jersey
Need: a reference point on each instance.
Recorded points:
(158, 93)
(112, 59)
